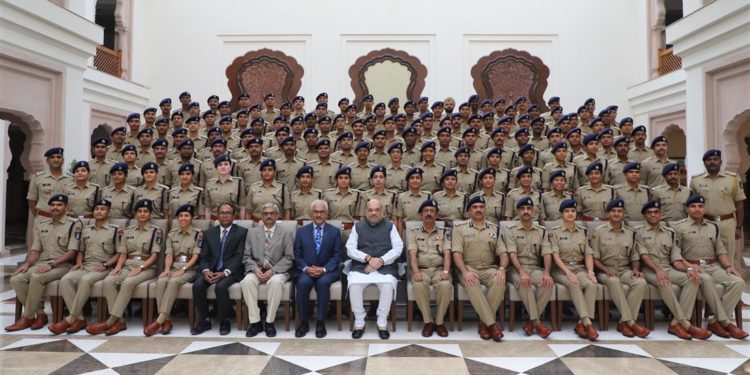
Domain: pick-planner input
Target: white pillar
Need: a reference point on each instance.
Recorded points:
(75, 117)
(4, 161)
(695, 118)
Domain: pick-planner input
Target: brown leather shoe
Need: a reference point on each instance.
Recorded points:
(640, 330)
(699, 333)
(496, 332)
(59, 327)
(428, 329)
(484, 332)
(623, 328)
(20, 324)
(581, 330)
(116, 328)
(717, 329)
(40, 321)
(441, 330)
(591, 333)
(735, 332)
(677, 330)
(166, 328)
(151, 329)
(97, 328)
(78, 325)
(528, 328)
(542, 330)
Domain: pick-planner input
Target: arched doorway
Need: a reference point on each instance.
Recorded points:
(736, 137)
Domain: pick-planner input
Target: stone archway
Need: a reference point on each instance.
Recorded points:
(33, 155)
(736, 138)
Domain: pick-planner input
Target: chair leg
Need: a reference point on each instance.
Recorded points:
(393, 315)
(287, 314)
(501, 315)
(409, 314)
(512, 316)
(191, 313)
(351, 319)
(101, 309)
(238, 313)
(19, 309)
(460, 315)
(338, 313)
(144, 311)
(738, 314)
(451, 317)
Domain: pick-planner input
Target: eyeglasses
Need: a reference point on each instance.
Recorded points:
(272, 213)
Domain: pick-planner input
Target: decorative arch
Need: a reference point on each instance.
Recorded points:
(737, 153)
(33, 155)
(676, 137)
(417, 70)
(510, 73)
(264, 71)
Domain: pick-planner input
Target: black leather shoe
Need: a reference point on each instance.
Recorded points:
(254, 329)
(302, 330)
(225, 328)
(320, 330)
(202, 326)
(270, 330)
(357, 333)
(384, 334)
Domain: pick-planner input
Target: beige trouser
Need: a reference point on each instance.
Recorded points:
(722, 306)
(629, 304)
(726, 232)
(485, 306)
(443, 294)
(250, 292)
(75, 288)
(29, 286)
(536, 297)
(117, 301)
(682, 306)
(582, 294)
(167, 289)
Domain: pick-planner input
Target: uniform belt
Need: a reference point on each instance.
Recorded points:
(721, 218)
(347, 226)
(590, 218)
(701, 262)
(137, 257)
(578, 263)
(183, 258)
(43, 213)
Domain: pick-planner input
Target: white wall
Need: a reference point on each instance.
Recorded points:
(593, 48)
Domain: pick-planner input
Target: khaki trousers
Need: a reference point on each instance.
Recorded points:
(629, 304)
(535, 298)
(485, 306)
(75, 288)
(167, 289)
(682, 306)
(250, 292)
(726, 233)
(583, 294)
(29, 286)
(443, 294)
(722, 306)
(119, 289)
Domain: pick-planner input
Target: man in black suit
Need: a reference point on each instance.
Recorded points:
(316, 255)
(220, 265)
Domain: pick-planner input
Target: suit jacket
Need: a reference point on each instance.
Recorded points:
(233, 250)
(281, 252)
(330, 248)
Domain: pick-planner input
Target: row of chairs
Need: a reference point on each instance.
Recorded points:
(146, 293)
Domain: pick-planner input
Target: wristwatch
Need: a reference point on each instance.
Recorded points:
(105, 265)
(184, 268)
(141, 266)
(690, 269)
(51, 264)
(445, 271)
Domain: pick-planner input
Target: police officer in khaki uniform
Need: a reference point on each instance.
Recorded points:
(345, 149)
(502, 175)
(325, 168)
(301, 199)
(614, 175)
(224, 189)
(703, 249)
(130, 157)
(97, 253)
(551, 199)
(45, 184)
(672, 194)
(186, 156)
(287, 167)
(119, 193)
(432, 170)
(386, 197)
(396, 170)
(634, 195)
(527, 155)
(182, 253)
(574, 267)
(451, 201)
(481, 259)
(593, 197)
(249, 167)
(99, 166)
(531, 255)
(118, 141)
(139, 247)
(560, 151)
(493, 200)
(429, 249)
(268, 190)
(524, 189)
(665, 267)
(55, 244)
(361, 168)
(82, 194)
(582, 162)
(652, 166)
(617, 258)
(409, 201)
(153, 190)
(725, 199)
(185, 192)
(145, 153)
(639, 151)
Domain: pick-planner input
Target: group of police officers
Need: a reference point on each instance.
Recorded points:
(470, 167)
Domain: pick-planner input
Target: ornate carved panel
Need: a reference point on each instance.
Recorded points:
(418, 72)
(510, 73)
(264, 71)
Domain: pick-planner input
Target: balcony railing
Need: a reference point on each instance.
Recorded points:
(108, 61)
(668, 62)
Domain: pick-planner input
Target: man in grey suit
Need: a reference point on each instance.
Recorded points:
(269, 252)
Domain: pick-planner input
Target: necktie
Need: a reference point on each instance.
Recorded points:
(266, 259)
(318, 238)
(220, 261)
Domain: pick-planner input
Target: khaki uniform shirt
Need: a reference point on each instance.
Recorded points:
(593, 203)
(615, 248)
(651, 171)
(699, 241)
(672, 200)
(81, 200)
(324, 174)
(141, 242)
(431, 176)
(343, 207)
(445, 157)
(145, 156)
(720, 192)
(493, 206)
(122, 201)
(231, 191)
(174, 169)
(515, 194)
(571, 245)
(536, 178)
(54, 238)
(286, 171)
(660, 245)
(248, 170)
(407, 205)
(583, 161)
(530, 245)
(192, 195)
(99, 171)
(134, 177)
(450, 207)
(378, 157)
(466, 181)
(614, 175)
(98, 244)
(507, 158)
(360, 179)
(571, 175)
(300, 203)
(182, 245)
(159, 194)
(344, 159)
(640, 155)
(396, 178)
(411, 157)
(44, 185)
(634, 200)
(114, 153)
(551, 204)
(258, 195)
(387, 200)
(479, 247)
(429, 246)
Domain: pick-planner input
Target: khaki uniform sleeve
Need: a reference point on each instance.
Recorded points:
(36, 244)
(169, 248)
(457, 245)
(596, 246)
(500, 246)
(156, 243)
(675, 253)
(739, 192)
(447, 240)
(287, 197)
(241, 201)
(198, 243)
(121, 245)
(33, 193)
(553, 244)
(411, 242)
(75, 236)
(509, 239)
(546, 246)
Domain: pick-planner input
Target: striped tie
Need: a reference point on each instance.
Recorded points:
(318, 238)
(266, 259)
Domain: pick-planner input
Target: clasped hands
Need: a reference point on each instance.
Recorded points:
(374, 264)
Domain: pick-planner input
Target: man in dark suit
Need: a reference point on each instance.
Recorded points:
(221, 265)
(316, 256)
